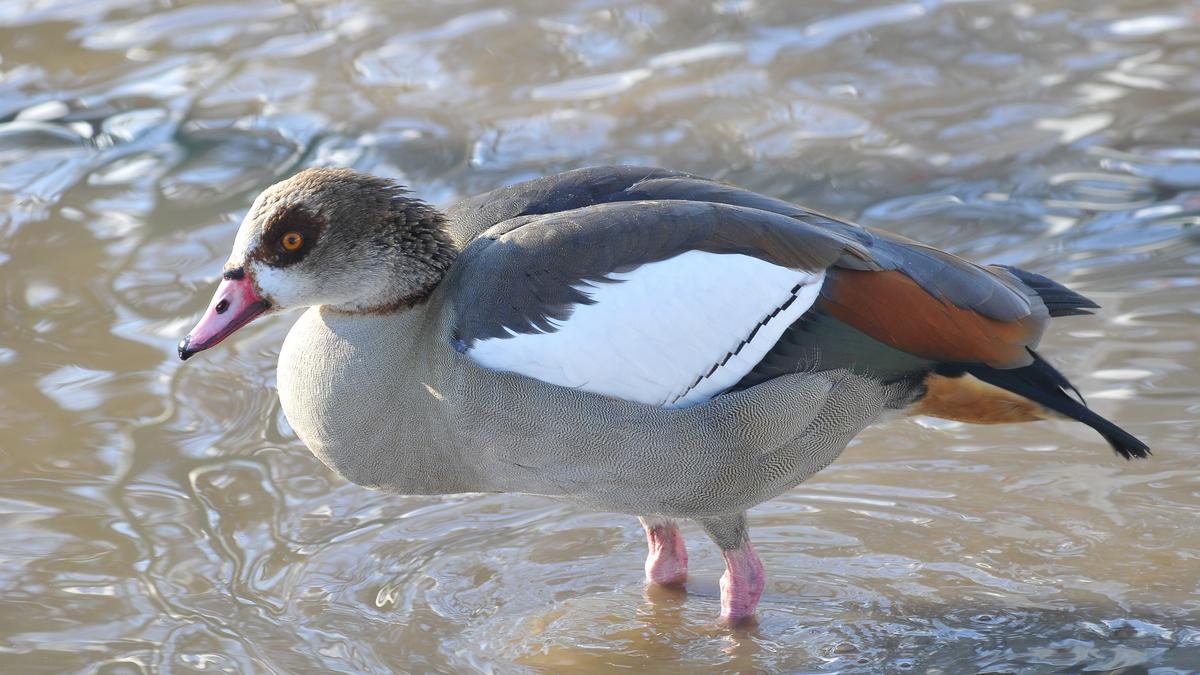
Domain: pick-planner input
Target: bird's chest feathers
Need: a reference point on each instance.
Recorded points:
(340, 391)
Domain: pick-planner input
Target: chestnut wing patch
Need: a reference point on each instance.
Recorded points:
(892, 308)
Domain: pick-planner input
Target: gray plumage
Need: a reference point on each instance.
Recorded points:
(377, 376)
(524, 273)
(384, 401)
(958, 280)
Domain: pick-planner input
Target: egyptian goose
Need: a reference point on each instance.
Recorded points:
(634, 339)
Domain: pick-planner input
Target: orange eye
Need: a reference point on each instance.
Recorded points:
(292, 241)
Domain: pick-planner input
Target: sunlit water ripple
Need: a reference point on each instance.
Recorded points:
(161, 518)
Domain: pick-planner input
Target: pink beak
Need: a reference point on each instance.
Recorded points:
(235, 304)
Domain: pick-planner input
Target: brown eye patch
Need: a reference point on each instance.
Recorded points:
(288, 236)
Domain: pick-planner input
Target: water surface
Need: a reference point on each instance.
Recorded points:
(160, 517)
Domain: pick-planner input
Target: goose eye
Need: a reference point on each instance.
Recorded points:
(292, 241)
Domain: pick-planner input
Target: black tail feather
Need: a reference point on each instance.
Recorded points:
(1042, 383)
(1060, 300)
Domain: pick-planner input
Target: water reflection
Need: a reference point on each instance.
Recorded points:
(162, 518)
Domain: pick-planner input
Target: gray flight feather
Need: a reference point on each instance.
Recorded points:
(524, 275)
(951, 279)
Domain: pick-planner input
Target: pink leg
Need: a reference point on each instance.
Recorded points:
(744, 578)
(741, 585)
(666, 563)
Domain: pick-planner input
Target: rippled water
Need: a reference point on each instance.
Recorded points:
(162, 518)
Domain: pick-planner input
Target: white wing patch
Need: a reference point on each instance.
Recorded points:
(672, 333)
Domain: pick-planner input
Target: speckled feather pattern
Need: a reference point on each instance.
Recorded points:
(386, 402)
(386, 399)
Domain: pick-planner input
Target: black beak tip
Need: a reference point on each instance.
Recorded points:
(185, 350)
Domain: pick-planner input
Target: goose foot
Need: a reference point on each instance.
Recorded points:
(667, 560)
(744, 579)
(741, 585)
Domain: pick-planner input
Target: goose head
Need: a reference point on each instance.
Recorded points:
(332, 237)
